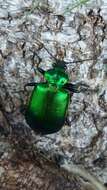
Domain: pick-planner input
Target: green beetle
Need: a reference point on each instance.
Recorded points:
(47, 108)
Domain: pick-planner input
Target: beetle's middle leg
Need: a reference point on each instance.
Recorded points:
(76, 88)
(30, 84)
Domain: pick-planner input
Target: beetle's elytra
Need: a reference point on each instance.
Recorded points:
(47, 108)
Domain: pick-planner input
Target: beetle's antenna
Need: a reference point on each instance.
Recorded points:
(50, 54)
(64, 62)
(80, 61)
(48, 51)
(33, 62)
(57, 60)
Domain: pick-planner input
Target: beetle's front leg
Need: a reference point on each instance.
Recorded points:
(76, 88)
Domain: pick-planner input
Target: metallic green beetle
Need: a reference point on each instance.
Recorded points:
(47, 108)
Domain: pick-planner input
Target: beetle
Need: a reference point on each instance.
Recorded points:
(47, 109)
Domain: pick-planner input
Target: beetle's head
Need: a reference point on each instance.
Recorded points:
(60, 64)
(57, 76)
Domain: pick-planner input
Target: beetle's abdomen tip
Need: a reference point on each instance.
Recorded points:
(43, 127)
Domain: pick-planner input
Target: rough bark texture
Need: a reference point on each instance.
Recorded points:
(28, 161)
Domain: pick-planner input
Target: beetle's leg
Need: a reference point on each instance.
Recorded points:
(30, 84)
(67, 121)
(40, 70)
(76, 88)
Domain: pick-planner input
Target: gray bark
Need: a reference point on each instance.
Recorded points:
(28, 161)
